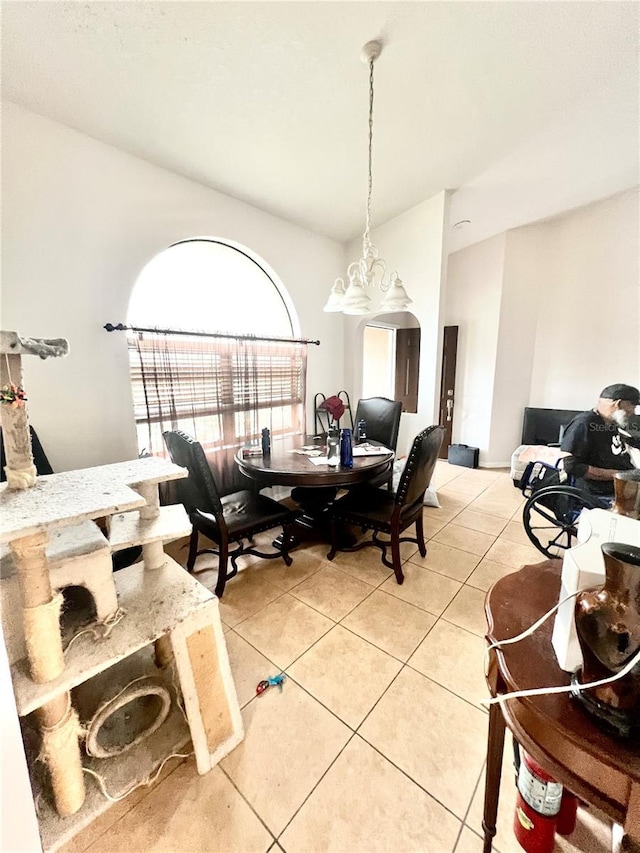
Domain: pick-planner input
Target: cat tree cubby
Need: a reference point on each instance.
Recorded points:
(151, 619)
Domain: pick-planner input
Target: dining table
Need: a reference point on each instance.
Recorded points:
(301, 462)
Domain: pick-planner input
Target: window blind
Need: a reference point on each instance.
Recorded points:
(221, 391)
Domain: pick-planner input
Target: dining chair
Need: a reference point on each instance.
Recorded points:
(375, 509)
(230, 520)
(382, 417)
(322, 420)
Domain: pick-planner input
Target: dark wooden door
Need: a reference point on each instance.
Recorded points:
(448, 385)
(407, 368)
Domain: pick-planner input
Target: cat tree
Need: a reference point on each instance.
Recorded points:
(151, 619)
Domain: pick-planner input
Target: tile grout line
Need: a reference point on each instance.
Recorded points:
(355, 732)
(242, 796)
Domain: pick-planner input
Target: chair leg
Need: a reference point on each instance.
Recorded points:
(420, 535)
(193, 550)
(396, 559)
(333, 538)
(223, 559)
(287, 542)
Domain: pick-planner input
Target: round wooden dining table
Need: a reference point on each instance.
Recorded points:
(285, 466)
(315, 485)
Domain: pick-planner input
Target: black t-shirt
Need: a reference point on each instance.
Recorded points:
(595, 441)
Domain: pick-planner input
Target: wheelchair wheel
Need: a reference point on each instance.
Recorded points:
(550, 517)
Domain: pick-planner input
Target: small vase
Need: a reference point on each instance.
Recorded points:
(626, 485)
(608, 627)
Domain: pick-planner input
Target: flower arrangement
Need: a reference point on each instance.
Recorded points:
(13, 395)
(334, 407)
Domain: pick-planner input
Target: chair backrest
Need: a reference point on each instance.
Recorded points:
(383, 419)
(198, 490)
(321, 419)
(419, 466)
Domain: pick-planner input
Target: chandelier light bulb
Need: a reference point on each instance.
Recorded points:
(336, 297)
(364, 272)
(396, 297)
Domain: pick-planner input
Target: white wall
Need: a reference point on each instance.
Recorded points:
(80, 220)
(517, 325)
(18, 822)
(549, 314)
(474, 290)
(588, 331)
(413, 245)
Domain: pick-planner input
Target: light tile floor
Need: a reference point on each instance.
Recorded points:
(377, 741)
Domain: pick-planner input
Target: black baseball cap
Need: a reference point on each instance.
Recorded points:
(621, 392)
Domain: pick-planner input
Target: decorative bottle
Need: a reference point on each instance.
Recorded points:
(266, 442)
(346, 449)
(333, 448)
(608, 627)
(362, 430)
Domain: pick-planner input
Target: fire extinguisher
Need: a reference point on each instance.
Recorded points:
(538, 804)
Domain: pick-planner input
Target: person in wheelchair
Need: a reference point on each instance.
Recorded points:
(595, 446)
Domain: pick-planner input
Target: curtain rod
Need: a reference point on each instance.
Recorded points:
(120, 327)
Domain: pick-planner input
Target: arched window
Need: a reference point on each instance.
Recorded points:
(226, 383)
(213, 286)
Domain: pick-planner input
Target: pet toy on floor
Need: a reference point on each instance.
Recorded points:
(271, 682)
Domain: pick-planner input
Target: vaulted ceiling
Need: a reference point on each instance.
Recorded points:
(523, 109)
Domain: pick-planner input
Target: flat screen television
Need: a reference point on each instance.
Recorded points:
(543, 426)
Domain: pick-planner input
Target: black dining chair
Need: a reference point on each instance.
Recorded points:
(230, 520)
(382, 417)
(375, 509)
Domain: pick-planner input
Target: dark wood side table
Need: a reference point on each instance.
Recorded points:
(554, 730)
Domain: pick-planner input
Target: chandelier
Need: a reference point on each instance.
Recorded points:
(371, 268)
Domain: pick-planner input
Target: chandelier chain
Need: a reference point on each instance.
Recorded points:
(369, 273)
(366, 241)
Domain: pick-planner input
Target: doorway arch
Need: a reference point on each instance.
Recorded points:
(391, 358)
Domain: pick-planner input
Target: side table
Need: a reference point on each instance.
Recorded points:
(554, 730)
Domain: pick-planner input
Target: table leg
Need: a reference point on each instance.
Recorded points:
(315, 503)
(495, 747)
(631, 838)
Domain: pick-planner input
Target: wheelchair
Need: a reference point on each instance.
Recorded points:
(554, 503)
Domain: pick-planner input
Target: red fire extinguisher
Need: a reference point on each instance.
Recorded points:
(538, 804)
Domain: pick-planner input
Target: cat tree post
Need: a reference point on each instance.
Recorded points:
(153, 552)
(41, 609)
(59, 725)
(20, 470)
(60, 750)
(154, 558)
